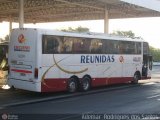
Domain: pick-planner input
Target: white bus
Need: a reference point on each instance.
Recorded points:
(48, 61)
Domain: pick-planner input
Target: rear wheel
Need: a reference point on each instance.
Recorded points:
(72, 85)
(12, 88)
(85, 83)
(136, 78)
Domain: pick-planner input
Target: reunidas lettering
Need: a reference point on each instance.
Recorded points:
(97, 58)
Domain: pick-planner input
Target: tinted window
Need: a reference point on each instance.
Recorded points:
(59, 44)
(81, 45)
(96, 46)
(112, 47)
(68, 45)
(127, 47)
(51, 44)
(145, 48)
(138, 48)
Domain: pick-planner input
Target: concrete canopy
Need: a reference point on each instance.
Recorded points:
(36, 11)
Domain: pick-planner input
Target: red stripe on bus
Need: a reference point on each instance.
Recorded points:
(60, 84)
(21, 71)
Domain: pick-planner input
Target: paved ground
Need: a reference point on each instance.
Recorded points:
(138, 101)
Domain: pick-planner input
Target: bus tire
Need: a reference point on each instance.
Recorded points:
(85, 83)
(136, 78)
(12, 88)
(72, 85)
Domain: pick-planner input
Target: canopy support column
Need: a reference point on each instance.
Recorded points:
(106, 22)
(10, 26)
(21, 13)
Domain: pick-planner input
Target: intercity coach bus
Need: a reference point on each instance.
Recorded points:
(48, 61)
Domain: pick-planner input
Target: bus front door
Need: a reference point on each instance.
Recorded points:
(147, 66)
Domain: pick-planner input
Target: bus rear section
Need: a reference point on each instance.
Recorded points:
(22, 60)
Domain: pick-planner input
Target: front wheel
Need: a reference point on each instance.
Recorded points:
(72, 85)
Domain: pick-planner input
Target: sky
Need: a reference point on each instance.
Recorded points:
(147, 28)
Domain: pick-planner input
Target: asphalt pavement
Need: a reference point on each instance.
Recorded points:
(138, 101)
(144, 98)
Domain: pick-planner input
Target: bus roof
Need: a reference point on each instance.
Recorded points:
(83, 35)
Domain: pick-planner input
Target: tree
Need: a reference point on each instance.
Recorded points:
(6, 39)
(1, 40)
(128, 34)
(78, 29)
(155, 53)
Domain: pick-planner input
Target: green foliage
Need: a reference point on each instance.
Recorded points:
(78, 29)
(6, 39)
(155, 53)
(128, 34)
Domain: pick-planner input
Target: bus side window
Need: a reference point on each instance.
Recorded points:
(109, 47)
(81, 45)
(51, 44)
(145, 48)
(77, 45)
(122, 47)
(96, 46)
(127, 47)
(85, 45)
(67, 44)
(130, 47)
(138, 48)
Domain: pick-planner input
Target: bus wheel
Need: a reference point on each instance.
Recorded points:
(85, 83)
(135, 78)
(72, 85)
(12, 88)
